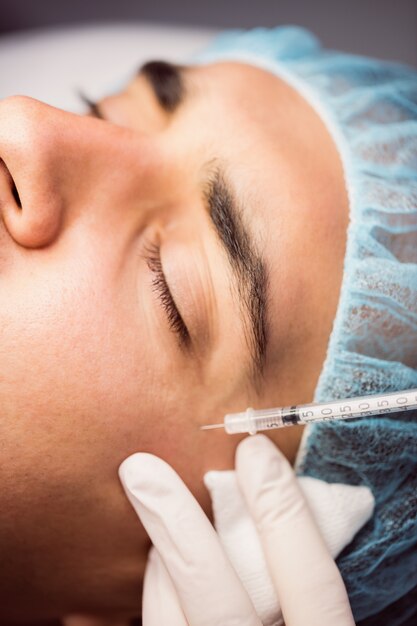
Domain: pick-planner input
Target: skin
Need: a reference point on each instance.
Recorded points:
(90, 370)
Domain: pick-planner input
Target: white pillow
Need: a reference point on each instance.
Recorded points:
(52, 64)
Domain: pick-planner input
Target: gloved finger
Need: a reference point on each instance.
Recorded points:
(208, 587)
(306, 578)
(160, 600)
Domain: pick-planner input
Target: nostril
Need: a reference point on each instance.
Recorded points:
(12, 184)
(16, 195)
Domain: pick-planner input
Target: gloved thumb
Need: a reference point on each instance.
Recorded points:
(307, 581)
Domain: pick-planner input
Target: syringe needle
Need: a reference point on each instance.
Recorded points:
(210, 426)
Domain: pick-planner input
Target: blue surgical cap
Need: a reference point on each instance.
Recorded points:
(370, 109)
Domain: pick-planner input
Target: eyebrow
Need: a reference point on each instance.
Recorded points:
(248, 267)
(167, 82)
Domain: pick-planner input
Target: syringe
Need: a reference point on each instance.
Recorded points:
(251, 421)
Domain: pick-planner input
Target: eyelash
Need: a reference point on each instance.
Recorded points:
(152, 257)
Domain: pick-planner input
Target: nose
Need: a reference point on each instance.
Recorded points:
(53, 163)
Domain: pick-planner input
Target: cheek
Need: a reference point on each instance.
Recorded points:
(84, 382)
(70, 362)
(82, 372)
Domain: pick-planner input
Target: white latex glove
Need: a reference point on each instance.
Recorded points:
(189, 580)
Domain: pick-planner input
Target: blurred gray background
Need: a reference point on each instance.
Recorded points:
(381, 28)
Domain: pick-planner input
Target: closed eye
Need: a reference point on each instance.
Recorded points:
(176, 323)
(93, 107)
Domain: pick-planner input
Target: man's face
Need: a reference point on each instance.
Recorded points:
(156, 271)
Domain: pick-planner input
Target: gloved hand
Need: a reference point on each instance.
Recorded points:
(189, 580)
